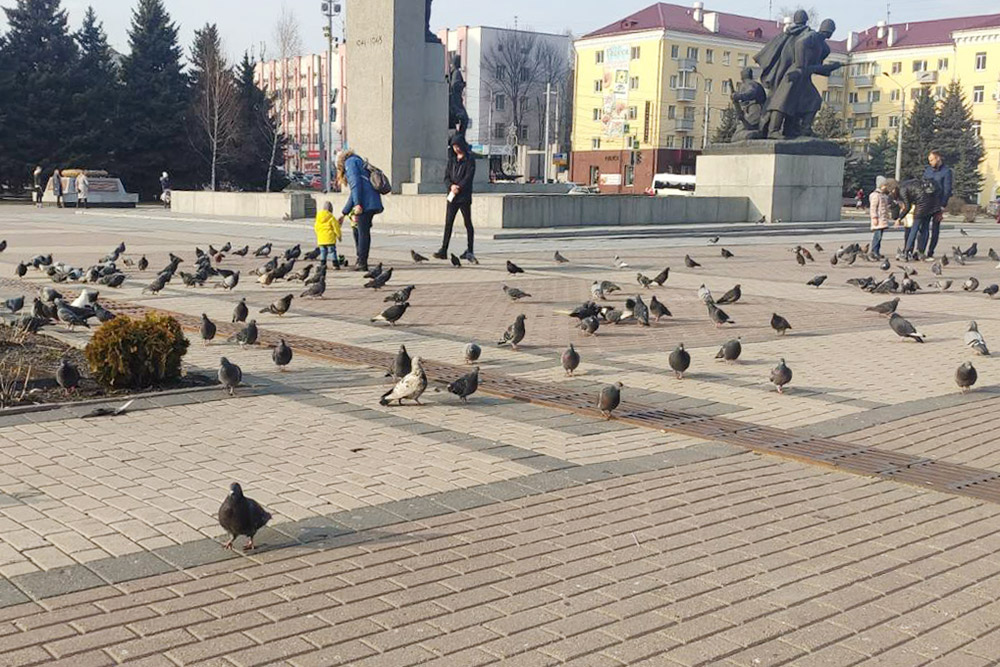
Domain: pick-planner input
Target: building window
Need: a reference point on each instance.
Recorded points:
(595, 143)
(629, 175)
(598, 85)
(633, 113)
(500, 102)
(671, 112)
(597, 114)
(977, 127)
(897, 67)
(978, 95)
(501, 72)
(726, 55)
(522, 133)
(687, 143)
(980, 61)
(875, 96)
(709, 56)
(688, 113)
(893, 121)
(874, 122)
(670, 141)
(693, 52)
(939, 92)
(633, 83)
(727, 87)
(499, 130)
(635, 53)
(942, 63)
(675, 51)
(894, 95)
(742, 60)
(852, 97)
(673, 81)
(595, 174)
(599, 57)
(919, 65)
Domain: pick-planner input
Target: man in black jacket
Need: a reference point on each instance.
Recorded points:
(922, 197)
(459, 176)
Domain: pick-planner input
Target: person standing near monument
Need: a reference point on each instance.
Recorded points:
(82, 189)
(36, 178)
(57, 187)
(942, 175)
(459, 176)
(363, 204)
(921, 197)
(165, 189)
(327, 229)
(880, 211)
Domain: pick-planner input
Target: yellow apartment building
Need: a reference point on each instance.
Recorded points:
(890, 64)
(651, 87)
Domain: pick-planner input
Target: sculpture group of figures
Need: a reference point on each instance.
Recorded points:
(785, 106)
(458, 117)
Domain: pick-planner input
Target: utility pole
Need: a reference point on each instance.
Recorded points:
(318, 60)
(708, 99)
(548, 145)
(330, 9)
(899, 127)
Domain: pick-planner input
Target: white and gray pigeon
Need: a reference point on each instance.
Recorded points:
(904, 329)
(410, 387)
(472, 353)
(975, 340)
(705, 294)
(514, 333)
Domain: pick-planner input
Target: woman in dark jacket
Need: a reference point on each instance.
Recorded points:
(459, 176)
(362, 205)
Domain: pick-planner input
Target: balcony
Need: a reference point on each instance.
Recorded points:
(686, 94)
(836, 106)
(927, 78)
(861, 107)
(860, 133)
(687, 64)
(684, 124)
(836, 80)
(862, 81)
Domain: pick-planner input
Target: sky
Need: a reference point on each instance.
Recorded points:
(245, 24)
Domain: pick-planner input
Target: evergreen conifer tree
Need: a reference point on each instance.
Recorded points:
(97, 103)
(256, 128)
(918, 135)
(728, 124)
(958, 143)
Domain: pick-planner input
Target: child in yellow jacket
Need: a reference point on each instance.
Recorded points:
(327, 234)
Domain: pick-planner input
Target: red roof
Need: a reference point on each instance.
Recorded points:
(664, 16)
(924, 33)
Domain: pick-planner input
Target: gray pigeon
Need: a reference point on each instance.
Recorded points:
(657, 309)
(241, 311)
(904, 329)
(975, 340)
(590, 325)
(514, 294)
(662, 276)
(281, 355)
(730, 350)
(239, 515)
(640, 311)
(680, 361)
(559, 258)
(816, 281)
(718, 316)
(992, 290)
(643, 281)
(466, 385)
(401, 365)
(392, 314)
(67, 375)
(15, 304)
(732, 296)
(781, 375)
(314, 290)
(208, 328)
(279, 307)
(472, 353)
(570, 359)
(966, 376)
(159, 282)
(410, 387)
(971, 284)
(399, 296)
(514, 333)
(609, 399)
(230, 375)
(885, 308)
(247, 335)
(779, 323)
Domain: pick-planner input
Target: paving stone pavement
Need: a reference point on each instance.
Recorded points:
(501, 532)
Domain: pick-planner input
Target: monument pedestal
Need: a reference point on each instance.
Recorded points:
(797, 180)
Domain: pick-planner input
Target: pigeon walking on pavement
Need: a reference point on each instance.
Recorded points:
(781, 375)
(239, 515)
(208, 329)
(466, 385)
(513, 269)
(730, 350)
(247, 335)
(570, 359)
(410, 387)
(392, 314)
(975, 340)
(657, 309)
(401, 364)
(680, 361)
(779, 324)
(690, 263)
(230, 375)
(885, 308)
(718, 316)
(514, 294)
(279, 307)
(609, 399)
(966, 376)
(241, 311)
(514, 333)
(662, 276)
(904, 329)
(732, 296)
(559, 259)
(281, 355)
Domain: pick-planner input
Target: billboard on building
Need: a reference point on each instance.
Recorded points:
(615, 86)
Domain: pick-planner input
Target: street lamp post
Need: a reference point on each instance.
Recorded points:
(899, 126)
(330, 9)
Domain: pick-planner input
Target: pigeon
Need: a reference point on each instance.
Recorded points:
(727, 254)
(975, 340)
(966, 376)
(242, 252)
(590, 325)
(885, 308)
(609, 399)
(705, 294)
(962, 232)
(817, 247)
(779, 323)
(281, 354)
(301, 275)
(50, 294)
(600, 289)
(816, 281)
(730, 350)
(802, 260)
(241, 311)
(732, 296)
(392, 314)
(410, 387)
(263, 251)
(942, 285)
(294, 252)
(713, 240)
(936, 268)
(455, 261)
(781, 375)
(971, 284)
(314, 291)
(116, 280)
(640, 311)
(103, 314)
(690, 263)
(230, 375)
(466, 385)
(904, 329)
(208, 329)
(159, 282)
(662, 276)
(143, 263)
(246, 335)
(21, 270)
(15, 304)
(718, 316)
(239, 515)
(472, 353)
(513, 268)
(401, 364)
(834, 260)
(570, 359)
(514, 333)
(514, 294)
(680, 361)
(318, 276)
(3, 245)
(562, 260)
(805, 253)
(400, 296)
(992, 254)
(884, 265)
(620, 263)
(992, 290)
(657, 309)
(67, 375)
(417, 257)
(310, 256)
(72, 316)
(643, 280)
(279, 307)
(374, 272)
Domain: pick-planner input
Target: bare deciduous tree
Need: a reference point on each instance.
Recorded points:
(287, 40)
(513, 69)
(215, 100)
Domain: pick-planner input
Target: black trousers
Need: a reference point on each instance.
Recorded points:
(449, 222)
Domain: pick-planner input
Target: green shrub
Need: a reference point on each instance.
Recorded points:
(128, 353)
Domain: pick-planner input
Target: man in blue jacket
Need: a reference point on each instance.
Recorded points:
(942, 175)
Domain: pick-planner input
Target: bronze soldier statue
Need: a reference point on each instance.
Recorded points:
(811, 50)
(429, 36)
(458, 117)
(777, 61)
(748, 103)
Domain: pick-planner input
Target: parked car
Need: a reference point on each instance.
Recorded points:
(576, 189)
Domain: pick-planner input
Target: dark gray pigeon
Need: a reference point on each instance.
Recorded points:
(21, 269)
(230, 375)
(513, 268)
(281, 355)
(885, 308)
(570, 359)
(781, 375)
(730, 350)
(562, 260)
(392, 314)
(241, 311)
(590, 325)
(727, 254)
(657, 309)
(239, 515)
(732, 296)
(609, 399)
(779, 323)
(208, 328)
(279, 307)
(640, 311)
(514, 333)
(514, 294)
(15, 304)
(247, 335)
(816, 281)
(401, 364)
(67, 375)
(904, 329)
(680, 361)
(992, 290)
(417, 257)
(662, 276)
(718, 316)
(314, 291)
(966, 376)
(690, 263)
(466, 385)
(159, 282)
(472, 353)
